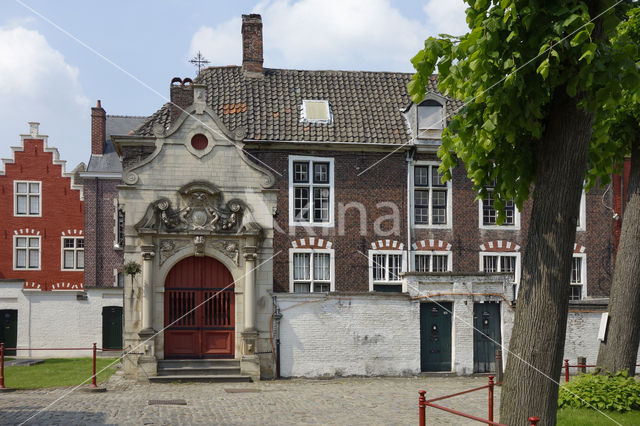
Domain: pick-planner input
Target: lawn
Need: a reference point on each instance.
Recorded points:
(590, 417)
(57, 372)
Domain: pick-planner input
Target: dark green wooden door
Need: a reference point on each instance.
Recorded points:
(435, 336)
(9, 329)
(112, 327)
(486, 336)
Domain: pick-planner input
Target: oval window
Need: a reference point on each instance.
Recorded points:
(199, 141)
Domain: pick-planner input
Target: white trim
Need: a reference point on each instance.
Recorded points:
(330, 185)
(515, 254)
(15, 198)
(449, 187)
(75, 252)
(403, 263)
(303, 112)
(27, 268)
(447, 253)
(332, 271)
(583, 273)
(582, 213)
(516, 219)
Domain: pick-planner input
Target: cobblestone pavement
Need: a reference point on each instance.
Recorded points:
(340, 401)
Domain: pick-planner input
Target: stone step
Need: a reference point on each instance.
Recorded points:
(229, 378)
(197, 363)
(194, 371)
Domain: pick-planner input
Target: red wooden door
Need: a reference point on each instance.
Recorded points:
(199, 310)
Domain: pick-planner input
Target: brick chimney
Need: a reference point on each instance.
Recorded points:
(181, 92)
(252, 45)
(98, 129)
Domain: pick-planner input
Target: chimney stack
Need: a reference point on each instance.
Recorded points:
(98, 129)
(252, 45)
(181, 93)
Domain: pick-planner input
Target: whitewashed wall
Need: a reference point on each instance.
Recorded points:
(57, 319)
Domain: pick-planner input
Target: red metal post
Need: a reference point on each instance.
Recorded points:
(421, 410)
(93, 378)
(534, 420)
(2, 365)
(490, 398)
(566, 370)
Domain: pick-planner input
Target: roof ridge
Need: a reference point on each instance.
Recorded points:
(127, 116)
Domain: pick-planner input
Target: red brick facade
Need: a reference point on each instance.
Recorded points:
(61, 214)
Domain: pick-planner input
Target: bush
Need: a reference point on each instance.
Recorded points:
(605, 392)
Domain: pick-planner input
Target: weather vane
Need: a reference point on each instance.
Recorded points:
(199, 61)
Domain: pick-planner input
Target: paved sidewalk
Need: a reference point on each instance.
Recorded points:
(342, 401)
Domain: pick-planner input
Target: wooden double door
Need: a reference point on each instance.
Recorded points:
(199, 310)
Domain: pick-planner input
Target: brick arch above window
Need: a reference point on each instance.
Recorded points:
(26, 231)
(387, 245)
(577, 248)
(499, 245)
(72, 232)
(311, 243)
(432, 245)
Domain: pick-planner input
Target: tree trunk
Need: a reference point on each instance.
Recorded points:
(537, 344)
(620, 349)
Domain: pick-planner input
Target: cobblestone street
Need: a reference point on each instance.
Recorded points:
(342, 401)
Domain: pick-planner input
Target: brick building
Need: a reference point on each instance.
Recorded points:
(317, 188)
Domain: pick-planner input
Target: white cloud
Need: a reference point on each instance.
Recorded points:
(334, 34)
(36, 84)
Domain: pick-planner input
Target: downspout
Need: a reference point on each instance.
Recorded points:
(409, 161)
(277, 316)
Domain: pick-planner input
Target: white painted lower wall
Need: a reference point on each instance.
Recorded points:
(57, 319)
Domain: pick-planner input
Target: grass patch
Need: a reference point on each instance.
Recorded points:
(56, 372)
(590, 417)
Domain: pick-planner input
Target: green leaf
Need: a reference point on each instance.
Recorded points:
(579, 38)
(570, 20)
(543, 69)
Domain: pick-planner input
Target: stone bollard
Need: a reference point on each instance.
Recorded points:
(582, 361)
(499, 372)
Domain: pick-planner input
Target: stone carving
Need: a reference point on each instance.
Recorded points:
(200, 208)
(131, 178)
(169, 247)
(198, 242)
(228, 248)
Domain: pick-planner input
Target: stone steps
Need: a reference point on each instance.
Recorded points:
(199, 370)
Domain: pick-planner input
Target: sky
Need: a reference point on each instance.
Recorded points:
(57, 58)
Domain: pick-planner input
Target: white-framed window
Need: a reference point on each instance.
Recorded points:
(489, 215)
(27, 199)
(311, 191)
(502, 262)
(431, 197)
(432, 261)
(430, 115)
(316, 111)
(582, 213)
(311, 270)
(385, 267)
(578, 281)
(26, 252)
(72, 253)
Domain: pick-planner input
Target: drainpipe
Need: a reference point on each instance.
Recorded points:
(409, 161)
(277, 316)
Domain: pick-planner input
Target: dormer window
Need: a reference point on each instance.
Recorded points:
(430, 115)
(316, 111)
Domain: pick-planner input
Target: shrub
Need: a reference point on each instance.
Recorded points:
(605, 392)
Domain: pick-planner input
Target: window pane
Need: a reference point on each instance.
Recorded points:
(490, 263)
(320, 287)
(422, 262)
(21, 204)
(21, 188)
(68, 259)
(34, 258)
(34, 188)
(575, 292)
(394, 267)
(439, 209)
(321, 269)
(421, 175)
(440, 263)
(301, 172)
(80, 242)
(576, 271)
(80, 259)
(68, 243)
(507, 264)
(321, 204)
(430, 117)
(21, 258)
(34, 242)
(421, 206)
(301, 266)
(379, 266)
(21, 242)
(301, 288)
(488, 213)
(34, 204)
(321, 172)
(301, 204)
(436, 178)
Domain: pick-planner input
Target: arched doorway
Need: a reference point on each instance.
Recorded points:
(207, 331)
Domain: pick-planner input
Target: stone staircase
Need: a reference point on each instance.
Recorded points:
(199, 370)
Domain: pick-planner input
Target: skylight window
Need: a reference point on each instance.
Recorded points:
(316, 111)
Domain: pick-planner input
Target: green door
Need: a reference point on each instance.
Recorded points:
(9, 329)
(112, 327)
(435, 336)
(486, 336)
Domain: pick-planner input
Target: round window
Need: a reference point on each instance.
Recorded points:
(199, 141)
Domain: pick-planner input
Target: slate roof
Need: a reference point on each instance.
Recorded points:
(109, 162)
(366, 106)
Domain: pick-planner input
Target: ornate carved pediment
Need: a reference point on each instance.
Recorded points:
(200, 208)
